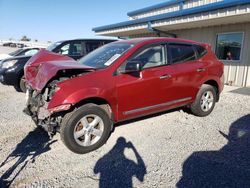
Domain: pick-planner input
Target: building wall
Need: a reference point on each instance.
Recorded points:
(236, 72)
(196, 3)
(172, 8)
(163, 10)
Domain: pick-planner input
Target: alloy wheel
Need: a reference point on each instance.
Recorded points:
(89, 130)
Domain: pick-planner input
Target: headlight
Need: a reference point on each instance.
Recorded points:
(8, 64)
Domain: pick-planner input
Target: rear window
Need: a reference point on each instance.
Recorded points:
(201, 51)
(178, 53)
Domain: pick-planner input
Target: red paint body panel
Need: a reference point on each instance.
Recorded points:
(32, 66)
(49, 69)
(126, 93)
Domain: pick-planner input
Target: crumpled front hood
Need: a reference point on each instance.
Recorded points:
(31, 67)
(45, 65)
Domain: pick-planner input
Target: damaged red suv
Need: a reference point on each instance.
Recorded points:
(120, 81)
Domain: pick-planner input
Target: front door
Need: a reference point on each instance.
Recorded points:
(144, 92)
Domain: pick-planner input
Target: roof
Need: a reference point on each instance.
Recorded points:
(183, 12)
(87, 39)
(156, 39)
(158, 6)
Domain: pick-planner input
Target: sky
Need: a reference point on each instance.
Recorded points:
(53, 20)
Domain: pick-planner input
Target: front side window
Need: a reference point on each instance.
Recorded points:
(228, 46)
(151, 57)
(64, 50)
(53, 46)
(105, 55)
(178, 53)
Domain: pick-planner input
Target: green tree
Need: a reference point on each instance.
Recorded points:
(25, 38)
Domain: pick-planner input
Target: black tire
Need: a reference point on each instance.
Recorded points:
(196, 107)
(17, 88)
(21, 87)
(70, 121)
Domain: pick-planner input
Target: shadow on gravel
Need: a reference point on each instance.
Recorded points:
(116, 170)
(34, 144)
(228, 167)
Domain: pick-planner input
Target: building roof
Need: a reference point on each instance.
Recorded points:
(182, 12)
(158, 6)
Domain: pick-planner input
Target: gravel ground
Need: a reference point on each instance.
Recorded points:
(167, 150)
(6, 50)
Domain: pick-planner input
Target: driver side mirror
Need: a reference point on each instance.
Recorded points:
(131, 67)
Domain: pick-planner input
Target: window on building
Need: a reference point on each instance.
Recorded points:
(178, 53)
(229, 45)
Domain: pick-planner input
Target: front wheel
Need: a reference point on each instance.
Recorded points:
(85, 129)
(205, 101)
(21, 87)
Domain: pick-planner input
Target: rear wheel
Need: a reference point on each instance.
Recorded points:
(85, 129)
(205, 101)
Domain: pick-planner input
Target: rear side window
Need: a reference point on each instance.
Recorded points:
(178, 53)
(201, 51)
(91, 46)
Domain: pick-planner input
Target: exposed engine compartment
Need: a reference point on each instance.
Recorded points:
(37, 102)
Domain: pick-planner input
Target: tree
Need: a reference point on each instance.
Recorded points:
(25, 38)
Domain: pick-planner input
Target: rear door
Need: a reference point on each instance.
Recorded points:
(188, 70)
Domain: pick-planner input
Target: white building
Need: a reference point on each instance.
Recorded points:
(225, 24)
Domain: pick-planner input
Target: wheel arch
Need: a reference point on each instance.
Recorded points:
(103, 103)
(215, 84)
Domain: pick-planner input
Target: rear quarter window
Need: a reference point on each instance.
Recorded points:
(201, 51)
(179, 53)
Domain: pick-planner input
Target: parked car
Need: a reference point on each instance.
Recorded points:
(13, 45)
(21, 45)
(12, 69)
(20, 52)
(120, 81)
(7, 43)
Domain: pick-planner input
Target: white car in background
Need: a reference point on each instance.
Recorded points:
(20, 52)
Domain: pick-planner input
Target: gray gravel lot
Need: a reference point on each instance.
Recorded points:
(167, 150)
(6, 50)
(159, 146)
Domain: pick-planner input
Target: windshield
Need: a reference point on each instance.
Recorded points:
(53, 46)
(105, 55)
(16, 52)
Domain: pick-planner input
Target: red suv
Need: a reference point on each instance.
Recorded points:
(120, 81)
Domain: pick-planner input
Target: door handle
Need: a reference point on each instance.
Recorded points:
(166, 76)
(201, 70)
